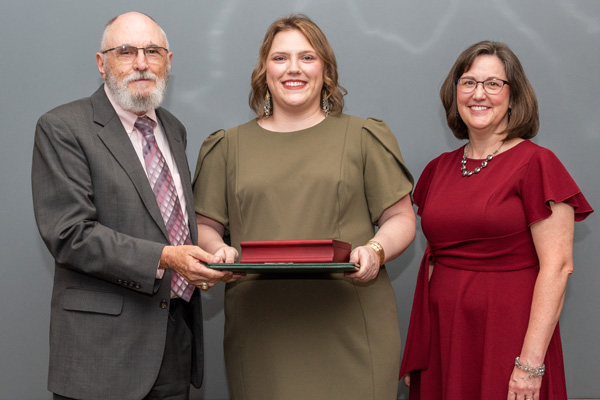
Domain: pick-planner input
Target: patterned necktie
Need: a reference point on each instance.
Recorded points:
(164, 190)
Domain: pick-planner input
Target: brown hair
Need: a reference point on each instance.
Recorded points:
(523, 118)
(318, 41)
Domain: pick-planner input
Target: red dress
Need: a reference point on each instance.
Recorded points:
(469, 321)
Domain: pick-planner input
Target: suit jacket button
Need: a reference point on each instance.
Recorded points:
(164, 304)
(138, 286)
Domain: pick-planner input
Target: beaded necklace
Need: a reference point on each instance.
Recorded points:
(484, 163)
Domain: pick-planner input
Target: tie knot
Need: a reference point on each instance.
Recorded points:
(145, 125)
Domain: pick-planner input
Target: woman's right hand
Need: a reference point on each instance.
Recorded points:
(210, 237)
(406, 379)
(228, 255)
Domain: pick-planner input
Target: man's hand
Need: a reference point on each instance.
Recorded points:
(188, 261)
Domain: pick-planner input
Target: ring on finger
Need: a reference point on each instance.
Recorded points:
(204, 286)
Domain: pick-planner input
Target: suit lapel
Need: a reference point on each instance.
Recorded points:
(118, 143)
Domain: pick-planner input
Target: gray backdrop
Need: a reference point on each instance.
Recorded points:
(392, 56)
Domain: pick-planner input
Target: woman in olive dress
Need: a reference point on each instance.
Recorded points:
(304, 170)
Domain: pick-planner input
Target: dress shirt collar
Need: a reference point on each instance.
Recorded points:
(127, 118)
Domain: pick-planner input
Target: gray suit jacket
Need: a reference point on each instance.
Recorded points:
(99, 218)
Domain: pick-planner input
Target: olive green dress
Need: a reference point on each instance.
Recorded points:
(306, 336)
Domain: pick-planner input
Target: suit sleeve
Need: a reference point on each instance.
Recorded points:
(65, 187)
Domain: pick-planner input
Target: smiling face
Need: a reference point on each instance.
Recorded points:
(294, 73)
(482, 112)
(138, 86)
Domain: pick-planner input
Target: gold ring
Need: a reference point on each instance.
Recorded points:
(204, 286)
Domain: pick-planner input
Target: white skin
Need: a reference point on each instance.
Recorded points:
(484, 114)
(295, 80)
(140, 31)
(552, 237)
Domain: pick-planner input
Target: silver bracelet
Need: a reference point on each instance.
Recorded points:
(533, 371)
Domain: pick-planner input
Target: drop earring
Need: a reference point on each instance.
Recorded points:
(267, 107)
(325, 103)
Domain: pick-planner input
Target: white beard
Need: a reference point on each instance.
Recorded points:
(134, 102)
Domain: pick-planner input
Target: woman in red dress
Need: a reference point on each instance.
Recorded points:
(499, 217)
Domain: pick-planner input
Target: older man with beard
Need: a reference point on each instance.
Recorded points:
(113, 204)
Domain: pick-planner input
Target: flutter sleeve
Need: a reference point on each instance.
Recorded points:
(210, 179)
(387, 179)
(546, 180)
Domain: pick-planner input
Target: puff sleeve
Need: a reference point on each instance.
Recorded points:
(387, 179)
(210, 179)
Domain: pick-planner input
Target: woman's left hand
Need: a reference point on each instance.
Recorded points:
(522, 387)
(396, 232)
(367, 260)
